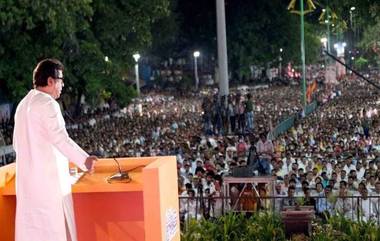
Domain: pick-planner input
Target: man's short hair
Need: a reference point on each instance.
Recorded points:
(45, 69)
(291, 188)
(318, 183)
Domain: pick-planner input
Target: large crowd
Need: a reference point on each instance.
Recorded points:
(326, 158)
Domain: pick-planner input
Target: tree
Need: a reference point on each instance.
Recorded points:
(81, 33)
(165, 34)
(31, 32)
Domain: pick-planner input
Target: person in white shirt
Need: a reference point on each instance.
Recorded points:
(349, 165)
(344, 205)
(360, 170)
(43, 149)
(371, 183)
(191, 207)
(375, 199)
(343, 175)
(302, 163)
(279, 193)
(286, 166)
(366, 208)
(310, 178)
(217, 200)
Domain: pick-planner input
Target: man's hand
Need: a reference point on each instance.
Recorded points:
(90, 163)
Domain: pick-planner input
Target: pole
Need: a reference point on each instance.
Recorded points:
(353, 27)
(137, 79)
(280, 66)
(196, 73)
(328, 37)
(351, 19)
(222, 48)
(303, 100)
(328, 27)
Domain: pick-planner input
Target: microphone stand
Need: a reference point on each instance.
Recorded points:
(120, 176)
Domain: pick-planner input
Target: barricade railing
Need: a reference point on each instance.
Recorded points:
(351, 207)
(288, 123)
(310, 108)
(284, 126)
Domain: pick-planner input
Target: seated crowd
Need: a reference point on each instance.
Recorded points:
(326, 159)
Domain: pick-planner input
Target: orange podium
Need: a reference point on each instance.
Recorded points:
(146, 208)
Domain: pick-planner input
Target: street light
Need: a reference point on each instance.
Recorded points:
(324, 42)
(196, 55)
(137, 56)
(339, 47)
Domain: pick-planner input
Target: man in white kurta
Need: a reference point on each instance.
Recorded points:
(44, 210)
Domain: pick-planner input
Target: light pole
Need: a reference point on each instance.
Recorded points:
(328, 45)
(302, 12)
(222, 48)
(328, 27)
(352, 9)
(280, 64)
(196, 54)
(137, 56)
(303, 56)
(327, 22)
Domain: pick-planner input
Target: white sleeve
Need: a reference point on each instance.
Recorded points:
(56, 131)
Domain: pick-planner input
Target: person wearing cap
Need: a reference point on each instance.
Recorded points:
(44, 209)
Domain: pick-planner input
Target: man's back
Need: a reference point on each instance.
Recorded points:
(42, 172)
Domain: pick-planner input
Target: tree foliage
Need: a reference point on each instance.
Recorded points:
(80, 33)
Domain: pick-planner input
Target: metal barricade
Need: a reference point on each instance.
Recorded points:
(355, 208)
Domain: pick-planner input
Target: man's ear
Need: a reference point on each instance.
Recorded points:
(50, 81)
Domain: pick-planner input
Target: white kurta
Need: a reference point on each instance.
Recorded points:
(43, 189)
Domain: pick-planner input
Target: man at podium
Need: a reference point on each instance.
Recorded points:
(43, 147)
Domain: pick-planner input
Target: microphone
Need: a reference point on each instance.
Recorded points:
(120, 176)
(118, 164)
